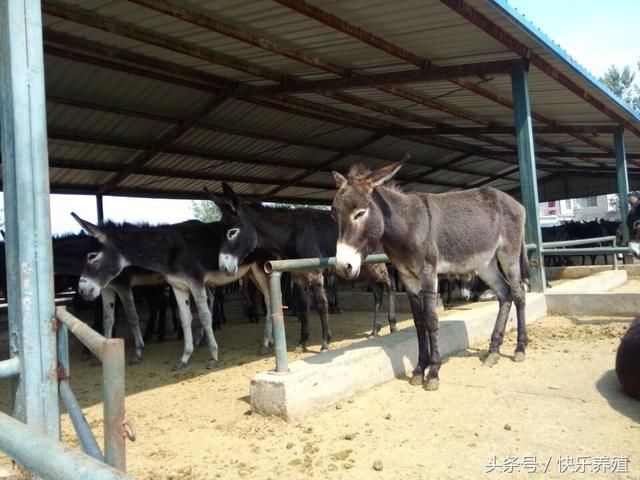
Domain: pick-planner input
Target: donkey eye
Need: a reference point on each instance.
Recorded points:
(359, 214)
(92, 256)
(232, 233)
(636, 224)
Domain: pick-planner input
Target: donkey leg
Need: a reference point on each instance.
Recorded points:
(493, 278)
(302, 307)
(512, 272)
(378, 295)
(200, 297)
(322, 306)
(108, 310)
(184, 311)
(131, 314)
(429, 296)
(392, 307)
(259, 278)
(417, 376)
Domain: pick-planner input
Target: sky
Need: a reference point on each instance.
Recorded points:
(596, 33)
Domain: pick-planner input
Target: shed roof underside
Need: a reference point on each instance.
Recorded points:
(160, 99)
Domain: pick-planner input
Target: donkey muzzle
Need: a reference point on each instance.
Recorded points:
(348, 261)
(228, 263)
(88, 289)
(635, 248)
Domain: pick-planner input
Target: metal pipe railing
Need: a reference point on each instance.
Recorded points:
(47, 457)
(582, 241)
(274, 268)
(111, 353)
(10, 368)
(83, 431)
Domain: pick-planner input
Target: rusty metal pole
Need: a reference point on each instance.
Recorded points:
(277, 316)
(25, 179)
(113, 392)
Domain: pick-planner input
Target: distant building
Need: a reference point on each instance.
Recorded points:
(579, 209)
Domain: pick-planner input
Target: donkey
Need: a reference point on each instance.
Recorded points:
(292, 233)
(185, 255)
(476, 230)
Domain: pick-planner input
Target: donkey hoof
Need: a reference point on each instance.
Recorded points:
(324, 348)
(179, 366)
(393, 328)
(300, 348)
(491, 359)
(416, 379)
(264, 350)
(518, 357)
(373, 334)
(135, 360)
(211, 364)
(432, 384)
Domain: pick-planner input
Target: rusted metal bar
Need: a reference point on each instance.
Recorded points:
(48, 457)
(78, 420)
(87, 441)
(296, 264)
(277, 317)
(113, 380)
(88, 336)
(10, 368)
(110, 352)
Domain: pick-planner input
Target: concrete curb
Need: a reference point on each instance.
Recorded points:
(597, 283)
(611, 304)
(321, 380)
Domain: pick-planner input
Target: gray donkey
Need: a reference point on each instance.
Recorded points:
(476, 230)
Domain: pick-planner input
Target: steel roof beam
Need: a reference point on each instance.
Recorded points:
(432, 74)
(505, 38)
(86, 17)
(507, 130)
(379, 43)
(216, 157)
(70, 188)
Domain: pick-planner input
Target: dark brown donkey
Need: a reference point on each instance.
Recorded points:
(185, 254)
(292, 233)
(477, 230)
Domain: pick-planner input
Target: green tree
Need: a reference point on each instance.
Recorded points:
(621, 83)
(205, 211)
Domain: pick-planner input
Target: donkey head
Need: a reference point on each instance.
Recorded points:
(633, 222)
(239, 236)
(101, 266)
(360, 220)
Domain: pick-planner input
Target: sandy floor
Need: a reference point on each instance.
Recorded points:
(564, 401)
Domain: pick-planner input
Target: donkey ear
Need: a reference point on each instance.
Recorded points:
(91, 229)
(339, 178)
(384, 174)
(232, 199)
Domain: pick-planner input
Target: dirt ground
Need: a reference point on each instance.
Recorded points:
(562, 404)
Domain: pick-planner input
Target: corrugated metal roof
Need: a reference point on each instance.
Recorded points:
(123, 78)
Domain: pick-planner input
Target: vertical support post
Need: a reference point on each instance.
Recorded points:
(100, 209)
(623, 181)
(25, 177)
(277, 316)
(528, 178)
(113, 393)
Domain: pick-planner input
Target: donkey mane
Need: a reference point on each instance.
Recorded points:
(359, 171)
